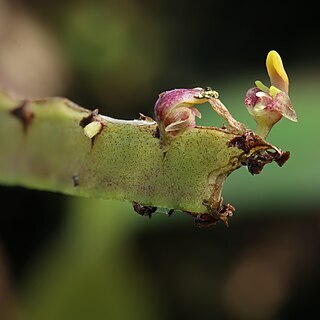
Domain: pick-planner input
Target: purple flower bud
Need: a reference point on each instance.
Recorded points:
(175, 111)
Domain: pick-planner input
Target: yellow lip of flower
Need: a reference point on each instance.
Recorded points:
(276, 71)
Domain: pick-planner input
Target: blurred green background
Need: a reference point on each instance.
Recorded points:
(69, 258)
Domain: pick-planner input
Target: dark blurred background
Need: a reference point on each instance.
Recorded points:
(64, 257)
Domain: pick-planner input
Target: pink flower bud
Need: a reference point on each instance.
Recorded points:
(175, 111)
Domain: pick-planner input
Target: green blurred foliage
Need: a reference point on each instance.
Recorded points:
(90, 272)
(116, 49)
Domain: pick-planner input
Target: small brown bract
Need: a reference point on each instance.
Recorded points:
(24, 114)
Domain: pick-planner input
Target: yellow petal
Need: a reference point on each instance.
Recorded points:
(273, 91)
(261, 86)
(277, 74)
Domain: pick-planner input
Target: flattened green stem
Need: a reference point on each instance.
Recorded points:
(48, 145)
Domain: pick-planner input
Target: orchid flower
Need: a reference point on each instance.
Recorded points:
(269, 105)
